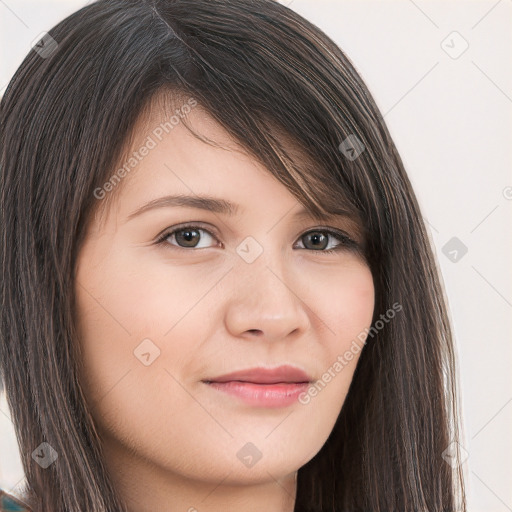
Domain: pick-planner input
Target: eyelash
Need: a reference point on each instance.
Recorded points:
(346, 241)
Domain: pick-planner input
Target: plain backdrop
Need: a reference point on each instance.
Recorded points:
(440, 71)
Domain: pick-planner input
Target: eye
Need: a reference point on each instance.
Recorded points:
(189, 236)
(186, 235)
(319, 240)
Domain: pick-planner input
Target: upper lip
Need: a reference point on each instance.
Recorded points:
(260, 375)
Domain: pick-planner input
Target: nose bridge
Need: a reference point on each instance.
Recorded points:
(265, 297)
(263, 269)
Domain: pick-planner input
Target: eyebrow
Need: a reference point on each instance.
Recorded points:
(216, 205)
(210, 204)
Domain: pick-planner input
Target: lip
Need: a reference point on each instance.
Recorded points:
(264, 387)
(261, 375)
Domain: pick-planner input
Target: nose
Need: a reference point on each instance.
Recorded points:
(266, 301)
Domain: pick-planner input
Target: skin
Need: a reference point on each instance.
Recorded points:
(170, 441)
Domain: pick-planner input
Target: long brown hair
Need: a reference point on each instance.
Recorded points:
(268, 76)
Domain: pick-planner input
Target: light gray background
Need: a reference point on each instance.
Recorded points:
(451, 121)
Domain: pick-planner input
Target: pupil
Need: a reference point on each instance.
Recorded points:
(189, 235)
(317, 238)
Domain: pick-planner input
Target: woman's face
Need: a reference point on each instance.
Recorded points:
(236, 291)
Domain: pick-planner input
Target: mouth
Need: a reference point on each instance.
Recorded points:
(263, 387)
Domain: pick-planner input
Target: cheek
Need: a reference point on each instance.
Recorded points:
(124, 301)
(346, 307)
(121, 304)
(346, 302)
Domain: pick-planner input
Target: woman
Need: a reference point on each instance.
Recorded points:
(217, 287)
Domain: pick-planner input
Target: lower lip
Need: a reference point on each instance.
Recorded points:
(263, 395)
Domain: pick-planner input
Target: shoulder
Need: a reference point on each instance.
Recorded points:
(9, 503)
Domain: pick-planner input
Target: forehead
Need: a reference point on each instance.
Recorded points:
(190, 149)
